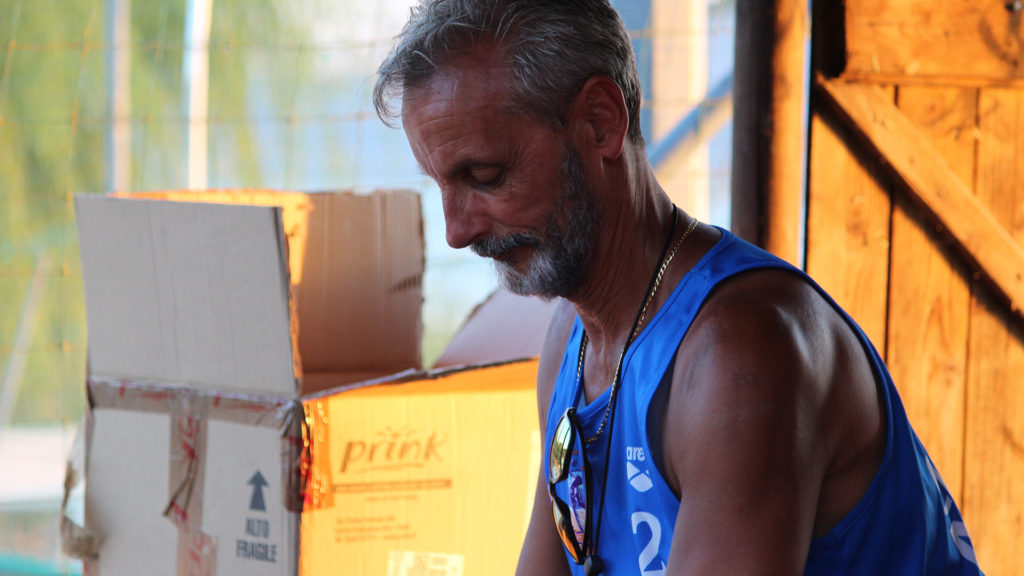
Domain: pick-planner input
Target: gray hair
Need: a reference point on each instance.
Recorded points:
(551, 48)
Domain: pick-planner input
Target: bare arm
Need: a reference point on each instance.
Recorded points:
(747, 435)
(542, 553)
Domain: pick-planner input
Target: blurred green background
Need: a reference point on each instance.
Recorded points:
(288, 108)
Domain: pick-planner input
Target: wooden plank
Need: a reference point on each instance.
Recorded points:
(957, 38)
(933, 80)
(848, 215)
(993, 498)
(993, 501)
(929, 298)
(979, 237)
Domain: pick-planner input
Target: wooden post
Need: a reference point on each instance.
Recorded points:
(768, 125)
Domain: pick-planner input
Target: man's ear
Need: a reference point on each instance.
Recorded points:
(600, 115)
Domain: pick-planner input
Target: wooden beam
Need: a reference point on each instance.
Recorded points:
(768, 124)
(986, 245)
(959, 38)
(935, 80)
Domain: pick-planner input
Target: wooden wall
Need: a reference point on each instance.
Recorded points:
(893, 258)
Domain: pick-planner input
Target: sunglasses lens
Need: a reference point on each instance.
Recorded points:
(565, 530)
(570, 515)
(561, 449)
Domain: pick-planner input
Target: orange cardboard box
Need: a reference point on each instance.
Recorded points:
(429, 476)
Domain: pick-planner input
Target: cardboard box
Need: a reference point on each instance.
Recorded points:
(502, 327)
(431, 476)
(256, 402)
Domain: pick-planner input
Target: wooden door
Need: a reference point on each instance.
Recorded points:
(915, 224)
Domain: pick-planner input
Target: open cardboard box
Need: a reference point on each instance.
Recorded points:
(257, 404)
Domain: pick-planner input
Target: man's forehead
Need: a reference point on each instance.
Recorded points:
(478, 77)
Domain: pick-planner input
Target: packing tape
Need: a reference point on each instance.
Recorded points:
(191, 409)
(319, 491)
(197, 551)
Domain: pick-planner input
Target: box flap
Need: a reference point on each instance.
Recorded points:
(504, 327)
(187, 293)
(361, 293)
(356, 263)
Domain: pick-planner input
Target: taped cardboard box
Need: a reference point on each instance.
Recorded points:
(189, 481)
(426, 474)
(213, 447)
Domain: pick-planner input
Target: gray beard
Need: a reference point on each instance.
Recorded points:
(562, 253)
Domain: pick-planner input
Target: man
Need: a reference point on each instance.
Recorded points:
(706, 409)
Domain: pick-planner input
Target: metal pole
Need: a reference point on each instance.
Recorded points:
(119, 142)
(23, 339)
(198, 14)
(697, 127)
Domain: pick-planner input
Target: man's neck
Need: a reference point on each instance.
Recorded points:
(637, 223)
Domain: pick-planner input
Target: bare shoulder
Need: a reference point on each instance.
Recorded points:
(771, 374)
(768, 338)
(768, 326)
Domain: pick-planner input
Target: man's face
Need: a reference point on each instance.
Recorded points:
(512, 188)
(561, 252)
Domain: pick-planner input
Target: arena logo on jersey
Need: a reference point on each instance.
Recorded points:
(393, 450)
(639, 479)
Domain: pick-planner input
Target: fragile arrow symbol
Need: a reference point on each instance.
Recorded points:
(257, 482)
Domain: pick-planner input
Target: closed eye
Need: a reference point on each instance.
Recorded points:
(485, 175)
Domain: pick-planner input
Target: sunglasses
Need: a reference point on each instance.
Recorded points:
(571, 517)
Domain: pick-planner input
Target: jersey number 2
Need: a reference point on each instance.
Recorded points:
(650, 552)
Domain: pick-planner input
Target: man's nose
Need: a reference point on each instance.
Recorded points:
(464, 218)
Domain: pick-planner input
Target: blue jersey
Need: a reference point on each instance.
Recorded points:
(906, 523)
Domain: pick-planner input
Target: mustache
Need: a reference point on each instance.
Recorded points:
(498, 245)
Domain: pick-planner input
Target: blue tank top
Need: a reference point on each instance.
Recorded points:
(906, 523)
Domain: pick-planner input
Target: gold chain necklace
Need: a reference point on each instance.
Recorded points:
(636, 331)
